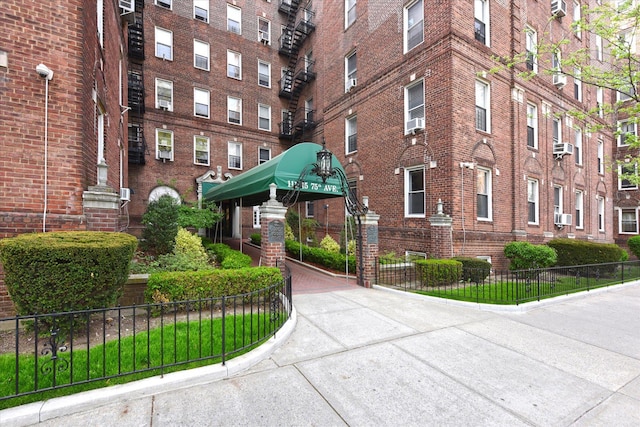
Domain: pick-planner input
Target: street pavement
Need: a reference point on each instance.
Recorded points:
(375, 357)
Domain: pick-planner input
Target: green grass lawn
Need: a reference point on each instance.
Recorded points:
(188, 345)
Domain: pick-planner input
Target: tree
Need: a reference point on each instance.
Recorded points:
(161, 225)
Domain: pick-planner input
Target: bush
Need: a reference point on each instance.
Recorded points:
(331, 260)
(390, 258)
(190, 215)
(190, 245)
(288, 232)
(524, 255)
(329, 245)
(474, 269)
(634, 245)
(161, 225)
(438, 272)
(66, 271)
(228, 258)
(579, 252)
(256, 239)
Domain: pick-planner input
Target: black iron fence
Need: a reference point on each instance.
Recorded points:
(46, 352)
(502, 286)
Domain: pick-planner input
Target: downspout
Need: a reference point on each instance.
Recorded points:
(515, 182)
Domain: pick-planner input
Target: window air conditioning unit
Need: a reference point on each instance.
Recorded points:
(562, 148)
(127, 5)
(414, 125)
(562, 219)
(164, 154)
(164, 104)
(558, 8)
(264, 39)
(559, 80)
(125, 194)
(352, 83)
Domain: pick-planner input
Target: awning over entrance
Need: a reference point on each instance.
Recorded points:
(283, 170)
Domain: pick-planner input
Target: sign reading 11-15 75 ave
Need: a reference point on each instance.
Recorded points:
(317, 187)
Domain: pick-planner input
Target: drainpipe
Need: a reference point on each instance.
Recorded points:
(47, 74)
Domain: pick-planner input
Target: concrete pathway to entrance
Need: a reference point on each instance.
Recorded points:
(370, 357)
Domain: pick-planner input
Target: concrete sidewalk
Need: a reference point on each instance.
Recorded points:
(364, 357)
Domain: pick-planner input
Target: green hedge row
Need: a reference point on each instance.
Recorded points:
(226, 257)
(438, 272)
(332, 260)
(474, 269)
(579, 252)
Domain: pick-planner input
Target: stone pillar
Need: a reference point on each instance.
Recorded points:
(101, 206)
(366, 262)
(441, 234)
(272, 220)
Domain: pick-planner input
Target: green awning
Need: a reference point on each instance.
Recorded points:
(283, 170)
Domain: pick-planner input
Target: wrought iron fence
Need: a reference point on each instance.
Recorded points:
(53, 351)
(503, 286)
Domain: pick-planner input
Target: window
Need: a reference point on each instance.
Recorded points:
(351, 134)
(264, 117)
(234, 18)
(600, 202)
(414, 192)
(201, 10)
(164, 44)
(599, 50)
(624, 94)
(577, 85)
(629, 221)
(625, 173)
(100, 21)
(531, 46)
(579, 219)
(164, 3)
(601, 157)
(350, 71)
(310, 209)
(201, 150)
(626, 132)
(235, 155)
(557, 130)
(628, 41)
(413, 25)
(308, 111)
(308, 62)
(164, 144)
(600, 101)
(287, 123)
(201, 102)
(264, 31)
(164, 94)
(532, 199)
(264, 155)
(349, 12)
(557, 201)
(532, 125)
(576, 19)
(234, 110)
(483, 112)
(556, 62)
(234, 65)
(100, 129)
(484, 194)
(481, 15)
(201, 55)
(414, 104)
(264, 74)
(577, 146)
(256, 217)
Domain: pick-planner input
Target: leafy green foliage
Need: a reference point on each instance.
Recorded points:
(474, 270)
(329, 244)
(190, 245)
(292, 220)
(288, 232)
(438, 272)
(580, 252)
(256, 239)
(226, 257)
(332, 260)
(66, 271)
(161, 225)
(634, 245)
(524, 255)
(190, 215)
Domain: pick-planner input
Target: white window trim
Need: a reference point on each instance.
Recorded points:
(306, 209)
(201, 4)
(159, 30)
(347, 134)
(347, 9)
(536, 200)
(577, 16)
(165, 2)
(579, 146)
(557, 123)
(620, 221)
(407, 183)
(256, 217)
(620, 172)
(406, 103)
(533, 119)
(157, 98)
(487, 21)
(600, 157)
(600, 101)
(238, 55)
(620, 133)
(268, 32)
(578, 84)
(100, 21)
(260, 161)
(558, 209)
(229, 98)
(207, 56)
(349, 75)
(208, 103)
(260, 62)
(489, 183)
(580, 211)
(268, 107)
(229, 18)
(486, 106)
(405, 30)
(236, 144)
(531, 43)
(601, 211)
(195, 146)
(172, 150)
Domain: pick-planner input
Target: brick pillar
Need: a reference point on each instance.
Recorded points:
(368, 227)
(272, 220)
(441, 237)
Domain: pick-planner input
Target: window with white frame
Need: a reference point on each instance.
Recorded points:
(627, 176)
(310, 210)
(556, 61)
(201, 55)
(201, 10)
(413, 104)
(164, 144)
(482, 20)
(577, 85)
(201, 150)
(264, 31)
(531, 41)
(532, 125)
(483, 106)
(600, 101)
(557, 130)
(626, 132)
(600, 157)
(579, 216)
(557, 202)
(235, 155)
(201, 102)
(100, 21)
(600, 203)
(349, 12)
(234, 19)
(533, 195)
(577, 146)
(627, 39)
(350, 71)
(264, 74)
(256, 217)
(234, 110)
(628, 221)
(599, 49)
(164, 44)
(414, 192)
(577, 16)
(351, 134)
(100, 129)
(624, 94)
(164, 94)
(413, 25)
(234, 65)
(264, 117)
(264, 155)
(164, 3)
(484, 194)
(308, 111)
(308, 62)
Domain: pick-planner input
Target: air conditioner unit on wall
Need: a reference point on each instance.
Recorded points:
(164, 104)
(164, 154)
(414, 125)
(264, 38)
(562, 219)
(125, 194)
(562, 148)
(127, 5)
(559, 80)
(352, 83)
(558, 8)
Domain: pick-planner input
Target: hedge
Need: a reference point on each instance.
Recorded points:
(579, 252)
(474, 269)
(438, 272)
(332, 260)
(226, 257)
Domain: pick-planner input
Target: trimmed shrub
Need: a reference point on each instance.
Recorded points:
(288, 232)
(579, 252)
(190, 245)
(161, 225)
(524, 255)
(331, 260)
(329, 245)
(228, 258)
(634, 245)
(256, 239)
(474, 269)
(438, 272)
(66, 271)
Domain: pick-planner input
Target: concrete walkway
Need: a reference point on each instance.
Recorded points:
(370, 357)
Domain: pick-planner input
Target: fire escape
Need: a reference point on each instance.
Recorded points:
(299, 72)
(136, 142)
